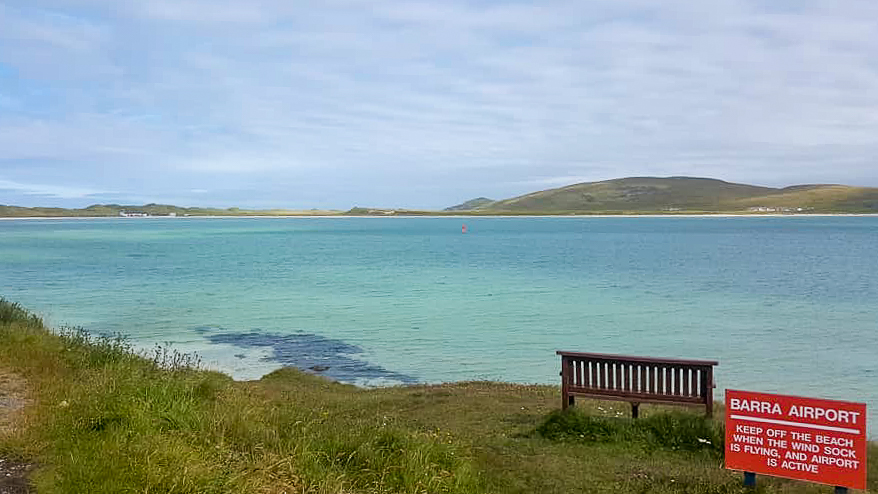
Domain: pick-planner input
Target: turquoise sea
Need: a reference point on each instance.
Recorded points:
(786, 304)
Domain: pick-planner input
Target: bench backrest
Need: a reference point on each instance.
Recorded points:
(638, 377)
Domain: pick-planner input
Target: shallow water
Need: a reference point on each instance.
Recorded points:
(786, 304)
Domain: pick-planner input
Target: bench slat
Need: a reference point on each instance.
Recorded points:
(596, 372)
(636, 374)
(617, 384)
(636, 397)
(687, 375)
(678, 384)
(660, 382)
(698, 390)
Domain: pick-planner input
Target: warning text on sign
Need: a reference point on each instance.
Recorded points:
(800, 438)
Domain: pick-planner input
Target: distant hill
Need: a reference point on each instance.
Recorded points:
(635, 195)
(472, 204)
(106, 210)
(682, 194)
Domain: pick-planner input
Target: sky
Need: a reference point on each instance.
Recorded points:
(425, 104)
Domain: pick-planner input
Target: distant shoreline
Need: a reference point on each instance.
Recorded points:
(580, 216)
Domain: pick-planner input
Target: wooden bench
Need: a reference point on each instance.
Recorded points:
(637, 380)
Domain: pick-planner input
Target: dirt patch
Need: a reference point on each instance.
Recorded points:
(13, 399)
(13, 477)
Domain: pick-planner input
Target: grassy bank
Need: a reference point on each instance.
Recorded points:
(104, 419)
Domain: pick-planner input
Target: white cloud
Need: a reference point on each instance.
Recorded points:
(410, 92)
(56, 191)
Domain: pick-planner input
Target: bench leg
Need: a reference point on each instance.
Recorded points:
(635, 410)
(571, 400)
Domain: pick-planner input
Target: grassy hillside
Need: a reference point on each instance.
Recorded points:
(107, 210)
(477, 203)
(682, 194)
(822, 198)
(650, 194)
(104, 419)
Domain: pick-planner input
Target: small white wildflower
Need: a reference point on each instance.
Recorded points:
(703, 441)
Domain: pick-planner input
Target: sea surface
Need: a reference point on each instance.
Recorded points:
(786, 304)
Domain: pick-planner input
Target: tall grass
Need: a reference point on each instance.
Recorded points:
(110, 420)
(674, 431)
(13, 313)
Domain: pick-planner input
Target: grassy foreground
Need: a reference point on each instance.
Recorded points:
(107, 420)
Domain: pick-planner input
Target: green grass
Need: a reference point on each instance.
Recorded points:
(666, 431)
(105, 419)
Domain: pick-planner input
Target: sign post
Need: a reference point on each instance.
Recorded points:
(815, 440)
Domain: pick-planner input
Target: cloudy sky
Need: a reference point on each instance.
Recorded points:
(336, 103)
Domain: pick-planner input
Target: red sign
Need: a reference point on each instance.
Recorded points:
(821, 441)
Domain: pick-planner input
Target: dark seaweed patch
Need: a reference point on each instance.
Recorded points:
(311, 353)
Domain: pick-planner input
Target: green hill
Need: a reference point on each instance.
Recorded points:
(682, 194)
(472, 204)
